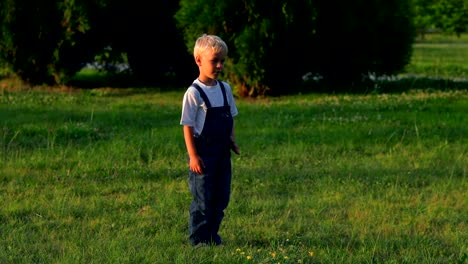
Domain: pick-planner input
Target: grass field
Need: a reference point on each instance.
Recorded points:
(442, 38)
(440, 56)
(440, 60)
(99, 176)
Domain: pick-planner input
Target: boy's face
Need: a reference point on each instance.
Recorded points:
(210, 64)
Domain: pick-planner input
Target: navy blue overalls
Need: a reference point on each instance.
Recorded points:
(212, 189)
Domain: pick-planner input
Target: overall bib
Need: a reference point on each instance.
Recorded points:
(211, 190)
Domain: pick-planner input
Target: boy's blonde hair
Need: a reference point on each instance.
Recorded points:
(212, 42)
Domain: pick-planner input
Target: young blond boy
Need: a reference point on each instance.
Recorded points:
(208, 109)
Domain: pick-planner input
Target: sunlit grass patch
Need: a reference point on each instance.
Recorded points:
(102, 177)
(439, 60)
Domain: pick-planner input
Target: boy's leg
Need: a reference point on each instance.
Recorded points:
(221, 195)
(201, 187)
(198, 223)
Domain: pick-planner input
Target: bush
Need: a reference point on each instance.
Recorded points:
(362, 37)
(21, 43)
(274, 43)
(46, 42)
(264, 38)
(156, 52)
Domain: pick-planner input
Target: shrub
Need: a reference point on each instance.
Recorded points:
(267, 39)
(362, 37)
(46, 42)
(274, 43)
(156, 51)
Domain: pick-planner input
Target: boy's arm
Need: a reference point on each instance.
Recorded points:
(234, 146)
(196, 163)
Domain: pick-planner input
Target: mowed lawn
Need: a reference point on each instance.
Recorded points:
(440, 56)
(100, 176)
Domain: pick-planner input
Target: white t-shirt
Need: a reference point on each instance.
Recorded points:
(194, 108)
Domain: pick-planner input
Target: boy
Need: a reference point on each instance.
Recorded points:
(208, 108)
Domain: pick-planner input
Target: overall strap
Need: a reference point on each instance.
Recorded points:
(224, 93)
(202, 94)
(205, 97)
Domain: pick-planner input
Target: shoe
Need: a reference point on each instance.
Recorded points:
(217, 240)
(200, 245)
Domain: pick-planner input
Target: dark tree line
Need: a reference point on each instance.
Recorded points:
(47, 42)
(272, 44)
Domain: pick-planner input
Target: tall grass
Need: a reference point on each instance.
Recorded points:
(101, 177)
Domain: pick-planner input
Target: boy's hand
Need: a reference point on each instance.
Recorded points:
(196, 164)
(235, 148)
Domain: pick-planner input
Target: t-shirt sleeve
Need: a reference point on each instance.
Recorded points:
(189, 108)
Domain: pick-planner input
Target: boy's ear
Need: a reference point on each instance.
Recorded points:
(198, 60)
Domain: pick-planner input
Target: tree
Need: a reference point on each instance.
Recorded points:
(147, 33)
(448, 16)
(423, 15)
(451, 16)
(274, 43)
(46, 42)
(362, 37)
(267, 39)
(30, 32)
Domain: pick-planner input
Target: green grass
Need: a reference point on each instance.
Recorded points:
(439, 60)
(442, 38)
(439, 56)
(100, 176)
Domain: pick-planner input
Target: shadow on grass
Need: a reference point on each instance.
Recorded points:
(126, 84)
(27, 129)
(381, 85)
(126, 80)
(404, 84)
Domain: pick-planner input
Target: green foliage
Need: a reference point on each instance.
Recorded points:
(146, 31)
(268, 40)
(448, 16)
(30, 32)
(47, 42)
(452, 16)
(274, 43)
(363, 37)
(423, 15)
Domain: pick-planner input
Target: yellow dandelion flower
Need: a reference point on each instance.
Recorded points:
(273, 254)
(311, 253)
(249, 257)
